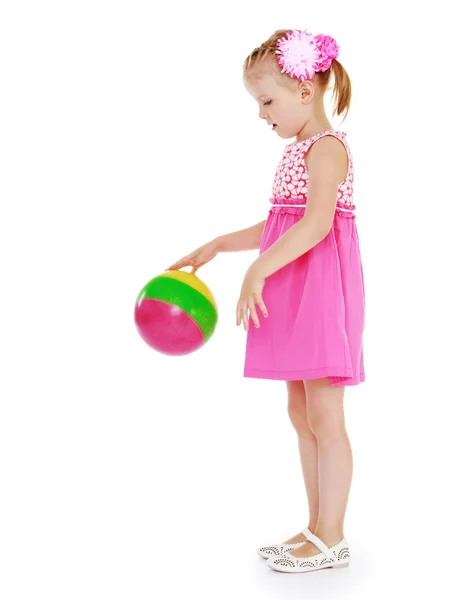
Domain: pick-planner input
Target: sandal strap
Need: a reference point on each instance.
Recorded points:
(319, 544)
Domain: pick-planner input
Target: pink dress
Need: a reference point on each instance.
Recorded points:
(316, 303)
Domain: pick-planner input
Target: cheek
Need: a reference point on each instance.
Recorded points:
(287, 111)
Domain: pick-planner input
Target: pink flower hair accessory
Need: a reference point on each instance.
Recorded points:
(303, 54)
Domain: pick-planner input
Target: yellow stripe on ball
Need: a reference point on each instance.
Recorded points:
(193, 281)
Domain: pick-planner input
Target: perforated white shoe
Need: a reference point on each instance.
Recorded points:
(336, 556)
(277, 549)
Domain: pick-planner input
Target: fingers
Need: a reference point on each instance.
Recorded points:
(238, 315)
(185, 262)
(242, 313)
(177, 265)
(242, 316)
(263, 308)
(253, 314)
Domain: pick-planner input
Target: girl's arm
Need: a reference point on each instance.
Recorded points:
(327, 162)
(244, 239)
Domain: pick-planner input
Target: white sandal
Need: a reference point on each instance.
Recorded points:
(336, 556)
(278, 549)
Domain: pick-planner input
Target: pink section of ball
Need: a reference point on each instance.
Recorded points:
(167, 328)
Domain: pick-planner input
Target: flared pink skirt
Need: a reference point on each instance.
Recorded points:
(316, 308)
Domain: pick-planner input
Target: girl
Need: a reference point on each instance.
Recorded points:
(310, 333)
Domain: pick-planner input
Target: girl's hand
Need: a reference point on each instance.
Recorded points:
(198, 257)
(251, 291)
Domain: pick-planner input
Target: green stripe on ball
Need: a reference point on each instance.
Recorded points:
(185, 297)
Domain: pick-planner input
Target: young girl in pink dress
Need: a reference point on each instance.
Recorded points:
(304, 294)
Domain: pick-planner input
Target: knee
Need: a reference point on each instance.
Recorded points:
(297, 410)
(326, 427)
(298, 418)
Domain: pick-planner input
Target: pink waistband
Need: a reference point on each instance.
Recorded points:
(298, 209)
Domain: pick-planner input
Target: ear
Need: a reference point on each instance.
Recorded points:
(307, 91)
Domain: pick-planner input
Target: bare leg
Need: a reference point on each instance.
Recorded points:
(307, 444)
(325, 414)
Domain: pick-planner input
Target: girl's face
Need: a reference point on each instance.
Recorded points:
(279, 106)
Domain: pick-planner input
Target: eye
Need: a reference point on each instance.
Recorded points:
(266, 103)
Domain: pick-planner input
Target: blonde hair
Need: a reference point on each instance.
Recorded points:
(263, 61)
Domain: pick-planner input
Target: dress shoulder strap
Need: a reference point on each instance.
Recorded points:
(303, 146)
(306, 144)
(340, 135)
(345, 191)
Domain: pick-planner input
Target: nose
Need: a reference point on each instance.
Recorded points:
(263, 113)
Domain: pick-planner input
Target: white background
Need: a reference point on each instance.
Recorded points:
(127, 140)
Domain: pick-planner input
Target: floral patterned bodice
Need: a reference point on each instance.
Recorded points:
(291, 178)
